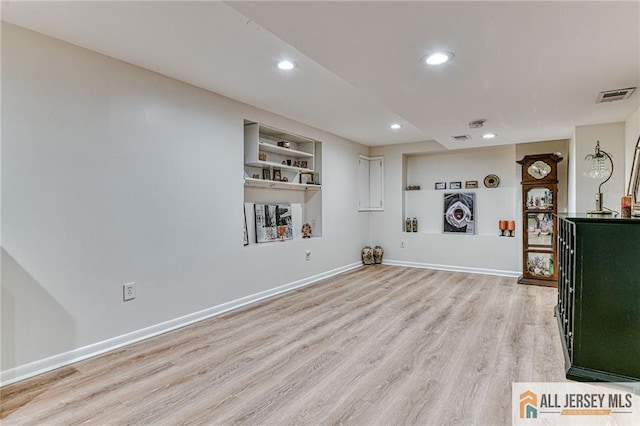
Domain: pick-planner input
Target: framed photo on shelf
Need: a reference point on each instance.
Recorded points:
(306, 178)
(273, 222)
(441, 185)
(471, 184)
(246, 233)
(266, 174)
(455, 185)
(277, 175)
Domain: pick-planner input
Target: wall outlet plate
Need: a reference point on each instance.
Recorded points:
(128, 291)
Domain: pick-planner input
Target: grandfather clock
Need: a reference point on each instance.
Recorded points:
(539, 221)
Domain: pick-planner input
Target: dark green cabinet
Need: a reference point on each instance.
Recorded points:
(598, 308)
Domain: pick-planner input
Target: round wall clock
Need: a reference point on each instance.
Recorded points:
(491, 181)
(539, 169)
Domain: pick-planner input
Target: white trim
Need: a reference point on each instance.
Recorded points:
(47, 364)
(452, 268)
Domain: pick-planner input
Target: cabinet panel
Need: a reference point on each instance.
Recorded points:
(598, 307)
(370, 183)
(363, 184)
(375, 183)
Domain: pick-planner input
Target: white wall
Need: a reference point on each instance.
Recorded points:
(112, 174)
(631, 133)
(612, 140)
(425, 166)
(426, 163)
(572, 174)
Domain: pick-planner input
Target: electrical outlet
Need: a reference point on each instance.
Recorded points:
(401, 243)
(307, 255)
(128, 291)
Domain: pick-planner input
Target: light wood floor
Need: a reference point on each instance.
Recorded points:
(379, 345)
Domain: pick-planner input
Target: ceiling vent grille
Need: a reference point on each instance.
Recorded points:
(461, 138)
(614, 95)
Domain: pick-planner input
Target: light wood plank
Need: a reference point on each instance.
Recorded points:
(377, 345)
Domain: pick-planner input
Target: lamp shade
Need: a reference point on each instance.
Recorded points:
(598, 165)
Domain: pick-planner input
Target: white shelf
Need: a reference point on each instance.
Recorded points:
(272, 184)
(272, 165)
(267, 147)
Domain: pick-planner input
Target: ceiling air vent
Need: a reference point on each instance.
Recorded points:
(461, 138)
(614, 95)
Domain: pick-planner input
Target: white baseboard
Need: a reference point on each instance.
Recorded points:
(51, 363)
(452, 268)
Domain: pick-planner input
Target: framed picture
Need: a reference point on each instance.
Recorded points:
(246, 233)
(455, 185)
(277, 175)
(270, 220)
(459, 213)
(471, 184)
(303, 164)
(441, 185)
(306, 178)
(266, 174)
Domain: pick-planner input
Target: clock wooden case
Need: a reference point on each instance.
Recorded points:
(539, 219)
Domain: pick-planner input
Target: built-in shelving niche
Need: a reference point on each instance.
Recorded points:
(298, 160)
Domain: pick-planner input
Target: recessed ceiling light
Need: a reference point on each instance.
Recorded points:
(489, 136)
(286, 65)
(438, 58)
(395, 126)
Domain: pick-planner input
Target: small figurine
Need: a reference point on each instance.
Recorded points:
(306, 231)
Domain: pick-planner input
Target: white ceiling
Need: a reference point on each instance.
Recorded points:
(531, 69)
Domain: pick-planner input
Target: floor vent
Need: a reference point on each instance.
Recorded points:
(614, 95)
(461, 138)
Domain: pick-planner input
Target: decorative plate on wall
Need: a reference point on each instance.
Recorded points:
(491, 181)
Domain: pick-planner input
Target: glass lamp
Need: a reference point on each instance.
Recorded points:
(599, 166)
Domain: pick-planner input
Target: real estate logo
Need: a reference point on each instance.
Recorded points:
(528, 405)
(571, 403)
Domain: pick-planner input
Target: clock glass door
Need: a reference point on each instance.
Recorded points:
(540, 231)
(539, 198)
(540, 265)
